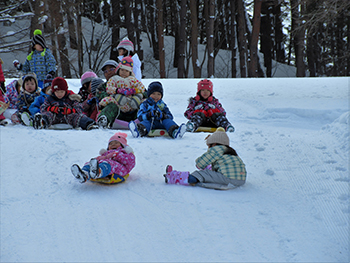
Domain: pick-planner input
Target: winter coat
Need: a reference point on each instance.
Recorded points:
(11, 95)
(2, 78)
(66, 110)
(83, 93)
(90, 106)
(39, 64)
(25, 99)
(229, 165)
(137, 66)
(122, 160)
(200, 105)
(35, 106)
(149, 105)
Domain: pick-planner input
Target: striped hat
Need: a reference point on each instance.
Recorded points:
(38, 39)
(126, 44)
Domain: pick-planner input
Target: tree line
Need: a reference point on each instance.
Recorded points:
(311, 35)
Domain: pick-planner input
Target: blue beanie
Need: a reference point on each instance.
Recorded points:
(153, 87)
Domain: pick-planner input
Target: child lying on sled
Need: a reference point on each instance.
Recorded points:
(113, 164)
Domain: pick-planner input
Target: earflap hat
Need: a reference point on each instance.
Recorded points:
(120, 137)
(205, 84)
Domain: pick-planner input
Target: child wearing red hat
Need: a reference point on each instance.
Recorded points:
(114, 163)
(62, 107)
(206, 110)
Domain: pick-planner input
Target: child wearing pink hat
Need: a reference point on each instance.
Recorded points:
(126, 49)
(85, 81)
(114, 163)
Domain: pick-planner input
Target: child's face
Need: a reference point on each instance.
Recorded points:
(47, 90)
(124, 73)
(30, 85)
(156, 96)
(89, 87)
(121, 51)
(205, 93)
(60, 93)
(108, 72)
(38, 48)
(113, 145)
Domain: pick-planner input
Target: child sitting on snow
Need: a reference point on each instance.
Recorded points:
(155, 114)
(85, 81)
(220, 167)
(90, 105)
(206, 110)
(125, 95)
(62, 107)
(29, 92)
(115, 163)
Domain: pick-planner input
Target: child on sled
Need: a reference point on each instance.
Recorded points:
(155, 114)
(206, 110)
(62, 107)
(113, 164)
(220, 167)
(125, 95)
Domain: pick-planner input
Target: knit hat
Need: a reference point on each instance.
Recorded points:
(87, 77)
(59, 84)
(205, 84)
(47, 81)
(94, 84)
(219, 136)
(153, 87)
(120, 137)
(38, 39)
(127, 63)
(28, 76)
(110, 62)
(126, 44)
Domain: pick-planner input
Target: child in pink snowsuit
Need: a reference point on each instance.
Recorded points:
(116, 162)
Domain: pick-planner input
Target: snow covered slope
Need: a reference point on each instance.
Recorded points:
(293, 135)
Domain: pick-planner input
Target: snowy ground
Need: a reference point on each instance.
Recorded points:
(292, 133)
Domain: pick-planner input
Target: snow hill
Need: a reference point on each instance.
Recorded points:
(293, 135)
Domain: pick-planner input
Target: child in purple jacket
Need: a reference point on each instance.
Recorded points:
(206, 110)
(116, 162)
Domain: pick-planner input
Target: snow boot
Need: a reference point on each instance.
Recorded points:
(15, 118)
(79, 174)
(4, 122)
(190, 127)
(26, 119)
(176, 177)
(230, 128)
(99, 170)
(137, 129)
(178, 132)
(102, 122)
(39, 122)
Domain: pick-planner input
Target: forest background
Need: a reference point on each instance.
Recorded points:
(246, 38)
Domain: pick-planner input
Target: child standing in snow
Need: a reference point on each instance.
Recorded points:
(62, 107)
(40, 60)
(155, 114)
(220, 167)
(125, 95)
(126, 49)
(115, 163)
(204, 109)
(29, 92)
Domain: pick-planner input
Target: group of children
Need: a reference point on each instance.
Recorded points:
(39, 100)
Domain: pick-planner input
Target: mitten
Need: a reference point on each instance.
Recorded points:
(67, 111)
(201, 112)
(212, 111)
(17, 64)
(53, 109)
(158, 114)
(128, 149)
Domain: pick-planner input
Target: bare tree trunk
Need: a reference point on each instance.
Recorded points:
(161, 39)
(69, 8)
(115, 26)
(298, 39)
(253, 67)
(242, 41)
(279, 40)
(80, 41)
(210, 38)
(194, 39)
(233, 40)
(182, 39)
(128, 21)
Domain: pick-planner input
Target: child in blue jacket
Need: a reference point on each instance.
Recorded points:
(155, 114)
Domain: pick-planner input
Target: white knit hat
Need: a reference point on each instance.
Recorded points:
(219, 137)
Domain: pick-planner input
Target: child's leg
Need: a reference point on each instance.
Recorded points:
(196, 120)
(209, 176)
(220, 120)
(111, 111)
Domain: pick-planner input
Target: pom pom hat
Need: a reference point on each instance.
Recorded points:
(38, 39)
(120, 137)
(87, 77)
(153, 87)
(127, 63)
(126, 44)
(205, 84)
(59, 84)
(219, 137)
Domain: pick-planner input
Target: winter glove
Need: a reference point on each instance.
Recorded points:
(212, 111)
(17, 64)
(67, 111)
(201, 112)
(158, 114)
(53, 109)
(126, 92)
